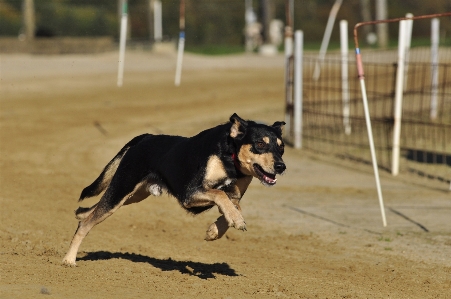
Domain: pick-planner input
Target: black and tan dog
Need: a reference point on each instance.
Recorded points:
(212, 168)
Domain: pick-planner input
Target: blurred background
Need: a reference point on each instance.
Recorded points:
(212, 26)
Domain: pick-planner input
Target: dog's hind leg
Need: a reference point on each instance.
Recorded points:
(100, 212)
(81, 213)
(90, 217)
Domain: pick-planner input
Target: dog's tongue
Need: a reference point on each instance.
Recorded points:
(269, 180)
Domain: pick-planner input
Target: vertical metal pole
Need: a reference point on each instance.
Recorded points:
(344, 75)
(299, 41)
(122, 40)
(370, 133)
(435, 30)
(398, 97)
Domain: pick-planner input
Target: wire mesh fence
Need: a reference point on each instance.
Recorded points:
(425, 140)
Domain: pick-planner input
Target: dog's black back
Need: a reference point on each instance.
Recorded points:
(179, 166)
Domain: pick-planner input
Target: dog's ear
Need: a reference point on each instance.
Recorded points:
(278, 125)
(239, 125)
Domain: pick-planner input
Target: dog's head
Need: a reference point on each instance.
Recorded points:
(259, 149)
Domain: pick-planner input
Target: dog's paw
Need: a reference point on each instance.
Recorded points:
(68, 263)
(212, 233)
(236, 220)
(217, 229)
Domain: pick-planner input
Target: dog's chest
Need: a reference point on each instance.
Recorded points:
(215, 175)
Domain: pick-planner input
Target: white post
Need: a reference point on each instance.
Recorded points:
(382, 28)
(181, 47)
(398, 97)
(344, 75)
(157, 21)
(407, 50)
(288, 44)
(435, 30)
(326, 38)
(299, 40)
(122, 40)
(29, 19)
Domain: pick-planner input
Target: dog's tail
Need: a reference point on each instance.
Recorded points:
(108, 172)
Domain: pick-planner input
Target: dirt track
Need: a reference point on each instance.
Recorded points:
(316, 234)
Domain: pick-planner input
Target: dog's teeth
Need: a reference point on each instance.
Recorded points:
(269, 180)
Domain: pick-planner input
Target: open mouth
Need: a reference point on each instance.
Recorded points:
(265, 178)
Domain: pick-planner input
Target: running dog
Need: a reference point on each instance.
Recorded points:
(212, 168)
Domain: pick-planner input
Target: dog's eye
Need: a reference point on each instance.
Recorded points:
(261, 145)
(281, 148)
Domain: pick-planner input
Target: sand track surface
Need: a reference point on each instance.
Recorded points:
(316, 234)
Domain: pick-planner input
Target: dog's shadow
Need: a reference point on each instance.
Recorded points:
(201, 270)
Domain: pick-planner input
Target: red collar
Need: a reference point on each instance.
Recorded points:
(236, 162)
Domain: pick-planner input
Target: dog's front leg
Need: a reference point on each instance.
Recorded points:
(218, 228)
(232, 215)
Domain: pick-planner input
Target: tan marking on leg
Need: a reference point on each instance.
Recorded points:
(83, 215)
(243, 183)
(219, 198)
(140, 193)
(217, 229)
(94, 218)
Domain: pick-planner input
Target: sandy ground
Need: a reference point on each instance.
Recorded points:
(316, 234)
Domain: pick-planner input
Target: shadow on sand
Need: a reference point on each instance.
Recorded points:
(201, 270)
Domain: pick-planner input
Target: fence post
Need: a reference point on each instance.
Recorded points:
(407, 47)
(298, 56)
(344, 75)
(288, 43)
(435, 25)
(157, 21)
(181, 45)
(122, 40)
(398, 97)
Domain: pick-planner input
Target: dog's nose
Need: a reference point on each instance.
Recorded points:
(279, 167)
